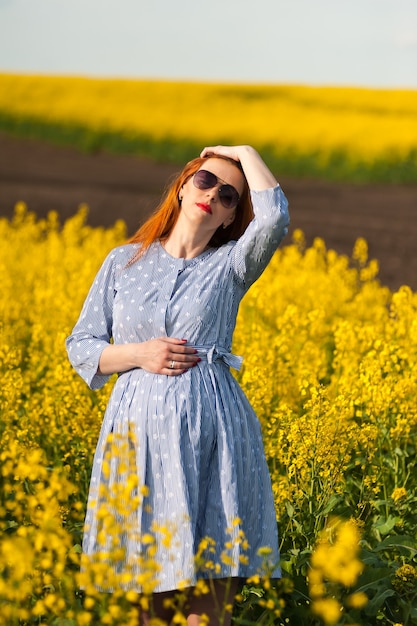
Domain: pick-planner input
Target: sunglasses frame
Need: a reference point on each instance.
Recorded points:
(222, 187)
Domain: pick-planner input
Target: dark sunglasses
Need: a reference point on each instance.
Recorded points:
(228, 195)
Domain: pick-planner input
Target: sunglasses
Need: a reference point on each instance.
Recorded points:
(228, 195)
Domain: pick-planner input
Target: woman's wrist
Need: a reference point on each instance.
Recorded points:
(119, 358)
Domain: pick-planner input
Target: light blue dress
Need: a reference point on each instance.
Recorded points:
(193, 440)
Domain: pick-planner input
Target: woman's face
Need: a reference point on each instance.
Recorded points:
(204, 207)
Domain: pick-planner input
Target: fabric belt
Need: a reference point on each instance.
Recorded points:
(214, 352)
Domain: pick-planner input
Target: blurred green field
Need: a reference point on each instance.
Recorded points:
(341, 134)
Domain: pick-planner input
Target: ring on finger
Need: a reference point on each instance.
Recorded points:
(171, 365)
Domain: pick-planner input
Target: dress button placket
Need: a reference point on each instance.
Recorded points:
(167, 286)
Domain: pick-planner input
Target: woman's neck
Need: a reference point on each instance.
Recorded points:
(184, 246)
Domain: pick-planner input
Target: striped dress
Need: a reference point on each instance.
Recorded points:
(180, 488)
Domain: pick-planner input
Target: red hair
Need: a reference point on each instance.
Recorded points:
(160, 224)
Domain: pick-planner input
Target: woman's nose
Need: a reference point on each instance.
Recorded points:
(213, 193)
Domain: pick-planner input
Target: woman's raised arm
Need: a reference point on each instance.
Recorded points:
(257, 173)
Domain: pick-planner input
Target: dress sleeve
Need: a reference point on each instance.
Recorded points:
(255, 248)
(93, 330)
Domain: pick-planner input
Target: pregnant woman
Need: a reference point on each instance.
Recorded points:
(178, 432)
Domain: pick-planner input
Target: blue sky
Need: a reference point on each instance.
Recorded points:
(321, 42)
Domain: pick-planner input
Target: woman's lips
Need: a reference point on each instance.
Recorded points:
(204, 207)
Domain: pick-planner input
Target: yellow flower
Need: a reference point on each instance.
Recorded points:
(328, 609)
(405, 579)
(398, 494)
(343, 350)
(357, 600)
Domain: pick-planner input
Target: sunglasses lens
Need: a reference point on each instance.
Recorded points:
(228, 195)
(205, 180)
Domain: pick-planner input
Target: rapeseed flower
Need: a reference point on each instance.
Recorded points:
(335, 566)
(330, 367)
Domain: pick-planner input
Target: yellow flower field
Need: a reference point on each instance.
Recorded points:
(328, 131)
(331, 369)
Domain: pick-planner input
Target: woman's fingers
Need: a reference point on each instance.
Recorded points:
(168, 355)
(228, 151)
(176, 349)
(257, 173)
(174, 368)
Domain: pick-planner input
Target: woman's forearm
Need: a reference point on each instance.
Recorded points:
(162, 355)
(119, 358)
(257, 173)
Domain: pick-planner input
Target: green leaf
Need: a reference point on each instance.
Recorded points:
(290, 509)
(377, 601)
(331, 504)
(10, 524)
(374, 578)
(76, 548)
(384, 526)
(397, 541)
(256, 591)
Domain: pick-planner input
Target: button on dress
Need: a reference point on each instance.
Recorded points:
(179, 469)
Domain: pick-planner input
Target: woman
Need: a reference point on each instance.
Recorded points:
(178, 430)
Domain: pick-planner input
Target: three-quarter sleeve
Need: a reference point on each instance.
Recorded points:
(254, 249)
(93, 330)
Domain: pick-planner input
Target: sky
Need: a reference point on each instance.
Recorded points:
(370, 43)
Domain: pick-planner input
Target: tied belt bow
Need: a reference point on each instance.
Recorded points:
(214, 352)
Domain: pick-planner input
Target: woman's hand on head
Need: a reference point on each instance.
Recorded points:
(232, 152)
(163, 355)
(256, 172)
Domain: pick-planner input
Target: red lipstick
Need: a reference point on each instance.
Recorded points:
(204, 207)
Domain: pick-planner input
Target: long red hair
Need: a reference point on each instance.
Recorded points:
(160, 224)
